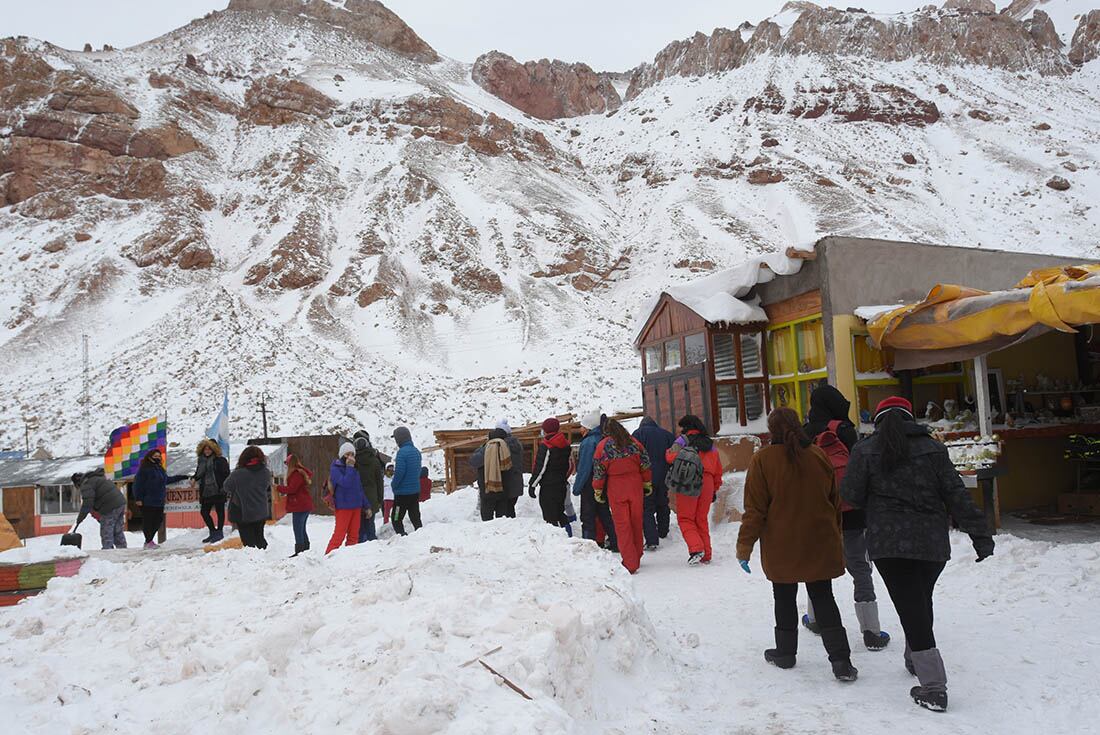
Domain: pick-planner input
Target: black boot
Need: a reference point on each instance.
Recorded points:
(298, 549)
(840, 653)
(786, 647)
(932, 692)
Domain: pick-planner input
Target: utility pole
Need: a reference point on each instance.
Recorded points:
(86, 399)
(263, 411)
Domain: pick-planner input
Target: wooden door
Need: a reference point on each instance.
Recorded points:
(19, 510)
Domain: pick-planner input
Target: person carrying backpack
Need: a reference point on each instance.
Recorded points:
(621, 479)
(694, 474)
(829, 428)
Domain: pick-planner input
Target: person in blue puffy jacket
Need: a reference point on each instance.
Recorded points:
(150, 489)
(593, 514)
(347, 498)
(406, 481)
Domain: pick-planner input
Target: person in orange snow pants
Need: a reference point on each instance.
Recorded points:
(621, 477)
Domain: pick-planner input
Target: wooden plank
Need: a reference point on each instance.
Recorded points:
(796, 307)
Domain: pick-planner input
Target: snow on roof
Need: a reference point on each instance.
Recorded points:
(719, 297)
(870, 313)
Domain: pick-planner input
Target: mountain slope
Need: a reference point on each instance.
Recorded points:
(324, 211)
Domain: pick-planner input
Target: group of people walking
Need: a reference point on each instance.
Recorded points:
(622, 481)
(820, 502)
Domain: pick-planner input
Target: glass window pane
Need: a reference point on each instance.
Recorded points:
(727, 408)
(806, 388)
(725, 359)
(653, 360)
(49, 500)
(72, 500)
(754, 401)
(811, 346)
(695, 349)
(783, 395)
(781, 358)
(672, 354)
(751, 365)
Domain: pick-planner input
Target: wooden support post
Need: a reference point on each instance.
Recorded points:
(981, 396)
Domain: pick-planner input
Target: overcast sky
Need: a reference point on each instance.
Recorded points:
(611, 35)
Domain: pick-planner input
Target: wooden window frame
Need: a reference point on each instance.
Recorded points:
(740, 381)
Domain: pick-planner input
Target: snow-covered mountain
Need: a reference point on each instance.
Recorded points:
(301, 197)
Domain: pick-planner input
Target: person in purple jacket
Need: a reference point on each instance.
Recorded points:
(347, 498)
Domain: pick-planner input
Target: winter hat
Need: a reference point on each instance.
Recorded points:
(551, 426)
(503, 426)
(591, 421)
(346, 448)
(894, 403)
(402, 435)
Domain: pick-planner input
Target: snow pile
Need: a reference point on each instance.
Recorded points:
(378, 638)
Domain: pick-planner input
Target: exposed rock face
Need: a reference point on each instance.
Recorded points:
(368, 18)
(972, 34)
(546, 89)
(1086, 39)
(848, 101)
(974, 6)
(1058, 183)
(39, 165)
(275, 101)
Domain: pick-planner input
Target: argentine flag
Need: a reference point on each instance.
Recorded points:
(219, 430)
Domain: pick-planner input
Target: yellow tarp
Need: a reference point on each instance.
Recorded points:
(956, 316)
(8, 538)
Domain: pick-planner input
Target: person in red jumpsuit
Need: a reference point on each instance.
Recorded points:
(621, 477)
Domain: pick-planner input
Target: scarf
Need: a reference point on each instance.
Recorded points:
(498, 459)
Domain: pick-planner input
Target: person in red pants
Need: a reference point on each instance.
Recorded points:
(347, 498)
(621, 477)
(695, 478)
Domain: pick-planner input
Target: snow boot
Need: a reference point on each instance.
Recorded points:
(840, 653)
(297, 550)
(695, 558)
(208, 538)
(217, 536)
(932, 692)
(786, 648)
(873, 636)
(909, 660)
(651, 547)
(150, 545)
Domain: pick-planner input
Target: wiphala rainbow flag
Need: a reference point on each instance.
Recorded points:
(130, 443)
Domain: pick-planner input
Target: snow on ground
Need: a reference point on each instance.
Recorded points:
(373, 640)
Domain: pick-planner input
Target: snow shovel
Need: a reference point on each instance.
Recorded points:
(72, 538)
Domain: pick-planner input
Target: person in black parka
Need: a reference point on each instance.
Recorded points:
(551, 473)
(829, 412)
(906, 483)
(656, 441)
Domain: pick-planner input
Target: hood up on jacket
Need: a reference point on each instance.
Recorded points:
(217, 450)
(827, 404)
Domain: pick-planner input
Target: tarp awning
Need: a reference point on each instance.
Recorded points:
(957, 323)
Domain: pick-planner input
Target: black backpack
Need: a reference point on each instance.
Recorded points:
(685, 476)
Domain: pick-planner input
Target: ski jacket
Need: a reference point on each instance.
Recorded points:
(657, 442)
(347, 488)
(369, 466)
(151, 485)
(712, 462)
(98, 494)
(620, 469)
(585, 454)
(552, 461)
(908, 509)
(406, 470)
(299, 499)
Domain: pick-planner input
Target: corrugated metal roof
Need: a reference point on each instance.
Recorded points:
(27, 472)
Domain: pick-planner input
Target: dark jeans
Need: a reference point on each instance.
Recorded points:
(218, 506)
(252, 534)
(151, 518)
(496, 505)
(406, 505)
(301, 538)
(821, 596)
(367, 531)
(655, 516)
(590, 511)
(910, 583)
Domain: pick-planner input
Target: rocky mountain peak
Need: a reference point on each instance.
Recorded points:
(546, 89)
(368, 18)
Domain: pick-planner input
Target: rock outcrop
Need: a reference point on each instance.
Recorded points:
(1086, 39)
(545, 89)
(969, 33)
(849, 101)
(974, 6)
(275, 101)
(369, 19)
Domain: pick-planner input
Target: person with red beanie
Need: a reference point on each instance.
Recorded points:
(551, 472)
(621, 478)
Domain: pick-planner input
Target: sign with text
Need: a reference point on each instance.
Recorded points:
(182, 499)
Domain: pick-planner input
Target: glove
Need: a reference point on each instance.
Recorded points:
(983, 546)
(531, 490)
(599, 497)
(745, 565)
(647, 488)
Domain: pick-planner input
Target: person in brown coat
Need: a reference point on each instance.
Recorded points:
(792, 506)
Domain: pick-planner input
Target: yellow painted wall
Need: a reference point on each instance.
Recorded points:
(1053, 354)
(1036, 473)
(845, 377)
